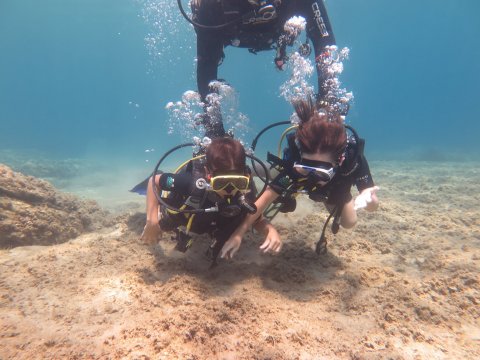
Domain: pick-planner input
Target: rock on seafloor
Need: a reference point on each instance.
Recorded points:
(33, 212)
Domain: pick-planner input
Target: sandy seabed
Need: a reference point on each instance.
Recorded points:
(403, 284)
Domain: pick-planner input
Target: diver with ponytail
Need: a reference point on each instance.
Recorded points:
(323, 162)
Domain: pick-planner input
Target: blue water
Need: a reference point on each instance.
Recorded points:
(79, 79)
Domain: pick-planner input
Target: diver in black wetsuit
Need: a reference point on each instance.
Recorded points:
(322, 162)
(257, 25)
(212, 196)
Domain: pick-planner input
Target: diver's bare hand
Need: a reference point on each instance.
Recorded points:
(231, 247)
(151, 233)
(367, 199)
(272, 241)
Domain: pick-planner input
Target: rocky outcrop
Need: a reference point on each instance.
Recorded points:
(33, 212)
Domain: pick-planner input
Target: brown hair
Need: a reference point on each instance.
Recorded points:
(225, 155)
(316, 133)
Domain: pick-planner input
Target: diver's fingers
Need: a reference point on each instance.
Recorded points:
(277, 247)
(147, 240)
(228, 254)
(274, 246)
(374, 190)
(270, 246)
(373, 194)
(151, 234)
(265, 245)
(228, 251)
(144, 237)
(224, 252)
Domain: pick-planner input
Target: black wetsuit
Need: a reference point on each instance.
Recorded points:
(254, 36)
(354, 170)
(182, 186)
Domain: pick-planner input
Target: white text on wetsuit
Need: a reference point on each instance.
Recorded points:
(317, 14)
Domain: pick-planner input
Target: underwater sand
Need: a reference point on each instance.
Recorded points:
(403, 284)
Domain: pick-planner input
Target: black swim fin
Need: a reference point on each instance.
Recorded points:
(141, 189)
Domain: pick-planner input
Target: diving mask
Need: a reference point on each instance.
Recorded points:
(223, 182)
(323, 171)
(231, 205)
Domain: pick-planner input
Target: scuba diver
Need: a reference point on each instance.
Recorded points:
(322, 161)
(212, 194)
(257, 25)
